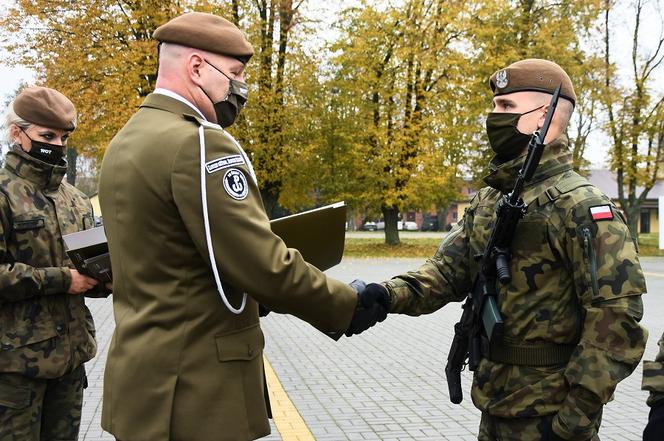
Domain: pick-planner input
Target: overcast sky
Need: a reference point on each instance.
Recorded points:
(597, 151)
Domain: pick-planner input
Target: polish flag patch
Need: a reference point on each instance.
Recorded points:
(601, 212)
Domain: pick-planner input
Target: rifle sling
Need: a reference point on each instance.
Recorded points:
(541, 354)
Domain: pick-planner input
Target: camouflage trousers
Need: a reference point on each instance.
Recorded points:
(34, 409)
(516, 429)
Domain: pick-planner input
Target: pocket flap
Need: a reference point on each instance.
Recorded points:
(13, 396)
(243, 344)
(29, 224)
(23, 336)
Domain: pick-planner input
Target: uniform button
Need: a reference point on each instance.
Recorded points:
(60, 328)
(250, 352)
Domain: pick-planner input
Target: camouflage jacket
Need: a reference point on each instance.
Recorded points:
(653, 376)
(44, 332)
(576, 282)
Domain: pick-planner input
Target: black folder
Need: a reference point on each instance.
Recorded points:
(317, 234)
(88, 251)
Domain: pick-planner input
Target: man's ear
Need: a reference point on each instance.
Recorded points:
(542, 118)
(195, 63)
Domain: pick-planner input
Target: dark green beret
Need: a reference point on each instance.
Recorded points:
(206, 32)
(45, 107)
(532, 75)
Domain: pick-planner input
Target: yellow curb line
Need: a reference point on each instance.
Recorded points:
(288, 420)
(654, 274)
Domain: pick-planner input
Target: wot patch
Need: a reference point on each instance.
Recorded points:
(601, 212)
(222, 163)
(501, 79)
(235, 184)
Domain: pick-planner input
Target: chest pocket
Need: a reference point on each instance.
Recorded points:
(30, 234)
(29, 224)
(484, 215)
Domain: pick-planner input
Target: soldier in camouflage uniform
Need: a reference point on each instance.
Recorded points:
(46, 331)
(573, 307)
(653, 381)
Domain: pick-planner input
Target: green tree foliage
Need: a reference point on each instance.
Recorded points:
(388, 117)
(399, 73)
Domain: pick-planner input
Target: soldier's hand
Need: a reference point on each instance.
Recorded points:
(80, 282)
(655, 429)
(373, 304)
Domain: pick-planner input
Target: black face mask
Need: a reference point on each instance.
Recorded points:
(49, 153)
(229, 108)
(505, 139)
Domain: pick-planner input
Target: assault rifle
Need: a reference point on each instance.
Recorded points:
(481, 316)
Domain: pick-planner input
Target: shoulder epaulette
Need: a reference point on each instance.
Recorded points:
(564, 186)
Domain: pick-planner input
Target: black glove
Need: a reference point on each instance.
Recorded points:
(654, 430)
(373, 304)
(263, 310)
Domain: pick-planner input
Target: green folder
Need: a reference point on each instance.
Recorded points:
(317, 234)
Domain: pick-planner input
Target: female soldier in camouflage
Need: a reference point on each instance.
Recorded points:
(46, 331)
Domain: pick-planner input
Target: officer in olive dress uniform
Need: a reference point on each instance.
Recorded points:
(653, 381)
(193, 254)
(46, 331)
(572, 309)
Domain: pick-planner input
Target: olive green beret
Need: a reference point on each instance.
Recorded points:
(45, 107)
(532, 75)
(206, 32)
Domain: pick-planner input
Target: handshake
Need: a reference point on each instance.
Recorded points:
(373, 304)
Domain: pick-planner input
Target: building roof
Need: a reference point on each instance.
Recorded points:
(607, 182)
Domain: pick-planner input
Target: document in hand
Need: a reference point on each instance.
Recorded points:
(88, 251)
(317, 234)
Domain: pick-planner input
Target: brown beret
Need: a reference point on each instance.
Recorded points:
(45, 107)
(206, 32)
(532, 75)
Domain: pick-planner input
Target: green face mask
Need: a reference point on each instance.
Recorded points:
(504, 137)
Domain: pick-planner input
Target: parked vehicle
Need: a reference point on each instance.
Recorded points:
(429, 223)
(401, 226)
(369, 226)
(407, 226)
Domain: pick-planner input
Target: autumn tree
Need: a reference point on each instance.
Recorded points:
(504, 32)
(102, 55)
(635, 113)
(398, 76)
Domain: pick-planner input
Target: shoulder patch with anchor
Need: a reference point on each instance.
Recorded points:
(235, 184)
(222, 163)
(601, 212)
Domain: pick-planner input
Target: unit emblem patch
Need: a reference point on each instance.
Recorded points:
(235, 184)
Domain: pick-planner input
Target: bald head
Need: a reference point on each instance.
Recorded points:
(189, 73)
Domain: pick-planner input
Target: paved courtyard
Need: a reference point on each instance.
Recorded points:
(388, 383)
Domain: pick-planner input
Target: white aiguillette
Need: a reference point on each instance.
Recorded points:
(88, 251)
(317, 234)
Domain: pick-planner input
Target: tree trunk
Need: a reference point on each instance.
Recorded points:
(391, 216)
(72, 154)
(632, 214)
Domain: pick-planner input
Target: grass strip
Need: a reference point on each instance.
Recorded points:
(426, 247)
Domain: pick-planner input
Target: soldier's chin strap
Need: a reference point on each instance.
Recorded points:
(206, 224)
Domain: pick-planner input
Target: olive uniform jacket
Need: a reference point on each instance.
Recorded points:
(573, 306)
(181, 366)
(44, 332)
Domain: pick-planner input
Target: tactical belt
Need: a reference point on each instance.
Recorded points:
(541, 354)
